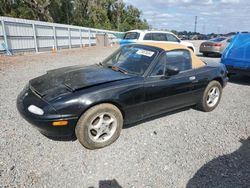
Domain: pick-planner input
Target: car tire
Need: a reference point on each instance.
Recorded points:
(205, 54)
(211, 97)
(99, 126)
(229, 75)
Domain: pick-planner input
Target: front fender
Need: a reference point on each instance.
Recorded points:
(127, 97)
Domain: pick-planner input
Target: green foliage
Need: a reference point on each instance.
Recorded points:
(104, 14)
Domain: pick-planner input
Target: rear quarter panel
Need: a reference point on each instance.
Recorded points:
(206, 74)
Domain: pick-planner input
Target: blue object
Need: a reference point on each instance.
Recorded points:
(6, 49)
(127, 41)
(237, 55)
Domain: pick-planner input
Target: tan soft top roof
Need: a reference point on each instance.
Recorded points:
(196, 62)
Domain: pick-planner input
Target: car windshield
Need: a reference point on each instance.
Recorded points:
(131, 35)
(218, 39)
(131, 59)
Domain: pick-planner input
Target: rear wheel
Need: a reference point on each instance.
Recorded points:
(99, 126)
(211, 97)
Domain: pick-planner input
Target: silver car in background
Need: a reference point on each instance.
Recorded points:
(215, 46)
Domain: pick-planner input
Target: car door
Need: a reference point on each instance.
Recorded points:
(159, 37)
(172, 92)
(163, 37)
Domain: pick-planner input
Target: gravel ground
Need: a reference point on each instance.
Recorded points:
(188, 148)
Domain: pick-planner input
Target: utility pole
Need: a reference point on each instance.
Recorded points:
(195, 24)
(118, 14)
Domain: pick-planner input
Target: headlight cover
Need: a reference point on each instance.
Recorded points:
(35, 110)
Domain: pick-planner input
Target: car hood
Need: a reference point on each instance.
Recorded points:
(70, 79)
(186, 43)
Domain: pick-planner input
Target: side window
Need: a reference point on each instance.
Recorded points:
(148, 36)
(172, 38)
(131, 35)
(159, 37)
(180, 59)
(160, 67)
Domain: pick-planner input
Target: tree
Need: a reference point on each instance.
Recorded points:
(40, 9)
(62, 11)
(104, 14)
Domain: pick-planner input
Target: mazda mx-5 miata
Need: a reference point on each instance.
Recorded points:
(136, 82)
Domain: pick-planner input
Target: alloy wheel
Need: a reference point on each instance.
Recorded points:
(102, 127)
(213, 96)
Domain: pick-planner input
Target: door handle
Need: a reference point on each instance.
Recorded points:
(192, 78)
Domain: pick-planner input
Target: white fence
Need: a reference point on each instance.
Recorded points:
(28, 35)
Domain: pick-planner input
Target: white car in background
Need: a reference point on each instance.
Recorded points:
(134, 36)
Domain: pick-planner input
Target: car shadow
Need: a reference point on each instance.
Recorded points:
(240, 79)
(63, 139)
(108, 184)
(209, 55)
(232, 170)
(126, 126)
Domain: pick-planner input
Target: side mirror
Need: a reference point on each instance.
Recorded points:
(171, 70)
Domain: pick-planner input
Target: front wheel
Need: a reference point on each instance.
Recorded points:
(99, 126)
(211, 97)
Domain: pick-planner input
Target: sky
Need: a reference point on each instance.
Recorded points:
(217, 16)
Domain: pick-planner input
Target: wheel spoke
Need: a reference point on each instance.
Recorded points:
(106, 135)
(213, 96)
(100, 122)
(213, 91)
(108, 122)
(97, 136)
(102, 127)
(209, 100)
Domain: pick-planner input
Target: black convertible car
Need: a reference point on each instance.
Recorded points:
(137, 81)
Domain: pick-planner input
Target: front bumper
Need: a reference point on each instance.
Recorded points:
(44, 123)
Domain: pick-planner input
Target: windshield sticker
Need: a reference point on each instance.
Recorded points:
(145, 53)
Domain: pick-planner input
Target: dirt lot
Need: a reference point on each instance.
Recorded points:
(183, 149)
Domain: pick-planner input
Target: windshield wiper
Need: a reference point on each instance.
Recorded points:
(100, 64)
(115, 68)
